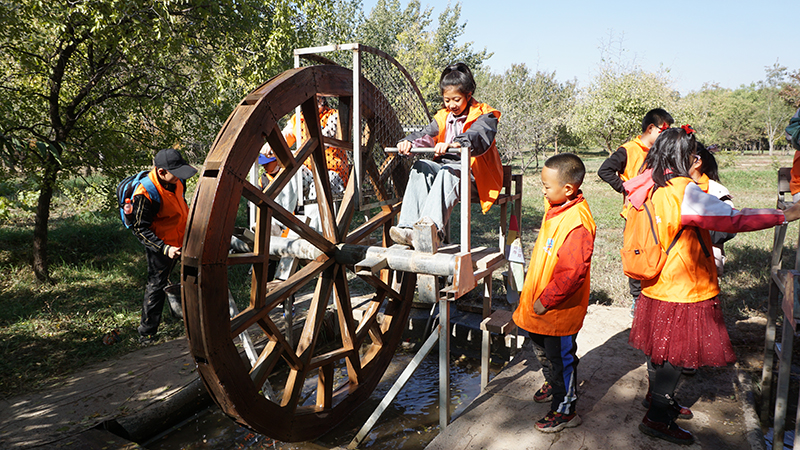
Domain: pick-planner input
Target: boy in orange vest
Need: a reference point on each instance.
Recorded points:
(160, 227)
(625, 163)
(555, 295)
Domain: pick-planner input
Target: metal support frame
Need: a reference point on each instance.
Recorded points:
(390, 396)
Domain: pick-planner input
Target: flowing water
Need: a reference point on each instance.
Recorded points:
(410, 422)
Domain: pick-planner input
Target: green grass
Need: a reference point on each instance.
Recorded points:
(99, 269)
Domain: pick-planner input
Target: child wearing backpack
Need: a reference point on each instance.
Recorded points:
(678, 321)
(626, 163)
(555, 294)
(159, 222)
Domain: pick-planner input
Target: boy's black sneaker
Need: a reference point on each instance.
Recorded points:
(544, 394)
(148, 339)
(554, 422)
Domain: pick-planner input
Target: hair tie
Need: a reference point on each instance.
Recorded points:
(688, 129)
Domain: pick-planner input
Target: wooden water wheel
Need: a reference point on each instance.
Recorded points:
(324, 383)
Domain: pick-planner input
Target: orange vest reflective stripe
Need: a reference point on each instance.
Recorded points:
(335, 158)
(169, 224)
(688, 275)
(565, 319)
(487, 167)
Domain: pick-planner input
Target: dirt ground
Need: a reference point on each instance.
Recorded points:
(612, 381)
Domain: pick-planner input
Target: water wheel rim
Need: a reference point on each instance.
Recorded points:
(205, 261)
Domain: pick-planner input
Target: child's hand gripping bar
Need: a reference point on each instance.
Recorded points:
(454, 151)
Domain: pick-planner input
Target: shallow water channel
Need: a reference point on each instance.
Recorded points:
(410, 422)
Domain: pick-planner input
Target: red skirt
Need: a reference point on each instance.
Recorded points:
(685, 334)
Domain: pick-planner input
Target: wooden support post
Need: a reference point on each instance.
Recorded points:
(500, 322)
(785, 365)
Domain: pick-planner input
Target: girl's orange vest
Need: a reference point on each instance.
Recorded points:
(170, 222)
(689, 275)
(486, 168)
(565, 319)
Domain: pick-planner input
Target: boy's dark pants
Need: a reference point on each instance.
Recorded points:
(559, 366)
(159, 267)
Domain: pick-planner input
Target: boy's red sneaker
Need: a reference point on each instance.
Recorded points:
(544, 394)
(554, 422)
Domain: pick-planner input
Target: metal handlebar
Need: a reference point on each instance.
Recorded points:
(453, 151)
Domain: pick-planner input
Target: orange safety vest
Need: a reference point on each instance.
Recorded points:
(636, 152)
(487, 167)
(335, 158)
(169, 224)
(688, 275)
(565, 319)
(794, 182)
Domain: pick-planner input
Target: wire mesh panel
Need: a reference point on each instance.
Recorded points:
(401, 100)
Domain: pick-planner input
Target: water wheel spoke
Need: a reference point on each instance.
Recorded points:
(375, 222)
(379, 284)
(344, 310)
(316, 314)
(294, 283)
(294, 388)
(328, 358)
(348, 205)
(347, 327)
(266, 362)
(258, 286)
(319, 168)
(281, 150)
(369, 318)
(284, 177)
(288, 219)
(325, 387)
(274, 333)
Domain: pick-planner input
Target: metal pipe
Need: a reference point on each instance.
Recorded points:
(441, 264)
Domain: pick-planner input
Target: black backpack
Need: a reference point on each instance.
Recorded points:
(127, 187)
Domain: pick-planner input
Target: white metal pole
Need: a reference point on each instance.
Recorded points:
(356, 107)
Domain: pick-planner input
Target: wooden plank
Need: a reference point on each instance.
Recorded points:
(501, 322)
(338, 143)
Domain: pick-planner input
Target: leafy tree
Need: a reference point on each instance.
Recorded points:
(790, 93)
(610, 110)
(535, 108)
(103, 83)
(774, 112)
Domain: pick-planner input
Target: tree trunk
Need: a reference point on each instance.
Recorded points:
(41, 267)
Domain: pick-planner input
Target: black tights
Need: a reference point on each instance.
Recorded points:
(663, 381)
